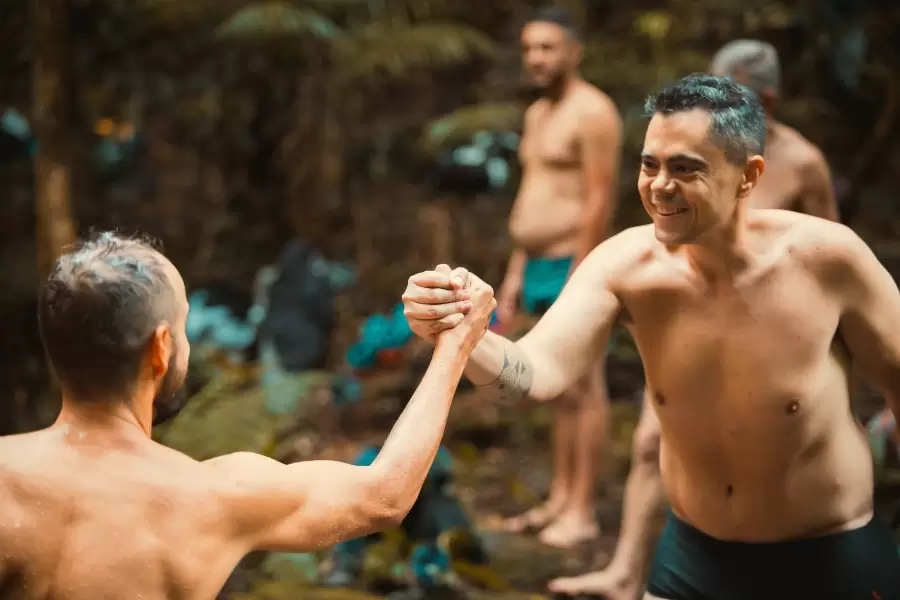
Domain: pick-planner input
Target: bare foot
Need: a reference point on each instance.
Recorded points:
(569, 530)
(602, 584)
(530, 521)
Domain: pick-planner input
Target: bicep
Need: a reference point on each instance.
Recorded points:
(574, 332)
(601, 143)
(870, 322)
(302, 507)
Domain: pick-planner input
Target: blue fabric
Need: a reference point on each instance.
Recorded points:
(543, 281)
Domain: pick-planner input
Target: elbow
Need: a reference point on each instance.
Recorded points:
(389, 501)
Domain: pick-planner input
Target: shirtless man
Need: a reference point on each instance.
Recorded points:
(93, 509)
(570, 150)
(747, 321)
(797, 178)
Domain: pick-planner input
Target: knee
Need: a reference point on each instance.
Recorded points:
(645, 447)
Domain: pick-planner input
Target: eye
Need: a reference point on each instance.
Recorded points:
(684, 169)
(648, 164)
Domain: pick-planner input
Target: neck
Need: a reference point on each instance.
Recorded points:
(111, 416)
(557, 92)
(723, 252)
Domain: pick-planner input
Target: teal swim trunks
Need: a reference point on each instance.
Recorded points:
(542, 282)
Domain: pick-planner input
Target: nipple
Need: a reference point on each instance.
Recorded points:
(792, 407)
(660, 399)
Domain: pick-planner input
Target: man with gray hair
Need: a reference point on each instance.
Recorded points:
(747, 322)
(797, 178)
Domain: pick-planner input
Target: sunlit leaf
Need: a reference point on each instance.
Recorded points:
(397, 49)
(277, 20)
(462, 124)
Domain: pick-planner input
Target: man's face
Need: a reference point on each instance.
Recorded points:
(548, 53)
(686, 184)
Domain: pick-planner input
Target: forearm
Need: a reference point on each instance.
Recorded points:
(409, 450)
(503, 366)
(516, 266)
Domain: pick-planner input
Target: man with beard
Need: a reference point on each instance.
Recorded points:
(747, 322)
(570, 148)
(93, 508)
(797, 178)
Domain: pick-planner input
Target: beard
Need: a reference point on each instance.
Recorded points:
(172, 397)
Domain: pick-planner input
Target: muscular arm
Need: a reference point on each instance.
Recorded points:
(601, 145)
(870, 321)
(567, 340)
(817, 194)
(312, 505)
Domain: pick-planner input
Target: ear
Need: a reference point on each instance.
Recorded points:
(577, 51)
(753, 170)
(160, 350)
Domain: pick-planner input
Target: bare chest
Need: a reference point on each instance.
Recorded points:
(551, 141)
(757, 351)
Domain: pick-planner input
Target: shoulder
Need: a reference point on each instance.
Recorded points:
(825, 247)
(805, 156)
(597, 109)
(622, 254)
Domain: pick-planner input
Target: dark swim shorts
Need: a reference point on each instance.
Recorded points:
(861, 564)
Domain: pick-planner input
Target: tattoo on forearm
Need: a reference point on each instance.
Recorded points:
(514, 381)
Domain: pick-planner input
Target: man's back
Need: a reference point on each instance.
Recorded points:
(86, 518)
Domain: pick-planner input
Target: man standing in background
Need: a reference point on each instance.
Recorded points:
(570, 149)
(797, 178)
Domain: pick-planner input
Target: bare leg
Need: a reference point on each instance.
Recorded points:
(565, 428)
(583, 436)
(622, 578)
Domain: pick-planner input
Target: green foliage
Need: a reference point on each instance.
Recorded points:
(272, 21)
(462, 124)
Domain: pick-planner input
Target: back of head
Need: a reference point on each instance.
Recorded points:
(752, 62)
(98, 311)
(737, 119)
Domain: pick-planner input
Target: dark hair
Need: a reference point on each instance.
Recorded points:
(557, 16)
(738, 119)
(98, 310)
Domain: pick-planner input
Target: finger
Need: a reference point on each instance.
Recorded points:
(431, 279)
(449, 322)
(429, 295)
(432, 312)
(443, 268)
(459, 278)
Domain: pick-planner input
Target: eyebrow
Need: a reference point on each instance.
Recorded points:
(685, 158)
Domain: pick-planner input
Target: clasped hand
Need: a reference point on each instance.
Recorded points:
(448, 302)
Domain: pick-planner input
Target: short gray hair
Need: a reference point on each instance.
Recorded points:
(738, 121)
(756, 59)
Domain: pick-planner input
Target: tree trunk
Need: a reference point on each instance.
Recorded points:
(52, 164)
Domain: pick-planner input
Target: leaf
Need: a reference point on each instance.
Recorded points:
(465, 122)
(277, 20)
(398, 49)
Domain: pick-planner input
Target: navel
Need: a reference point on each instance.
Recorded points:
(729, 491)
(792, 407)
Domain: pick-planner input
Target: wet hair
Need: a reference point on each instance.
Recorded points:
(557, 16)
(98, 311)
(738, 121)
(756, 59)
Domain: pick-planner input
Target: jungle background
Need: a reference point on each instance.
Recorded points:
(356, 142)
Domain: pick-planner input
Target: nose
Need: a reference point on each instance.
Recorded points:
(662, 185)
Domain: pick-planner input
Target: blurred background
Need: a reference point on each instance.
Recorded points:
(300, 159)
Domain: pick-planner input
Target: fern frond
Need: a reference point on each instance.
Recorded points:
(266, 21)
(462, 124)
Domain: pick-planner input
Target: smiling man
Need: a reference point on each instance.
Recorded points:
(747, 321)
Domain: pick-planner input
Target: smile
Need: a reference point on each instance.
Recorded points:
(669, 212)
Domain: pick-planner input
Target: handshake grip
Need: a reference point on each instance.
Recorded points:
(445, 303)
